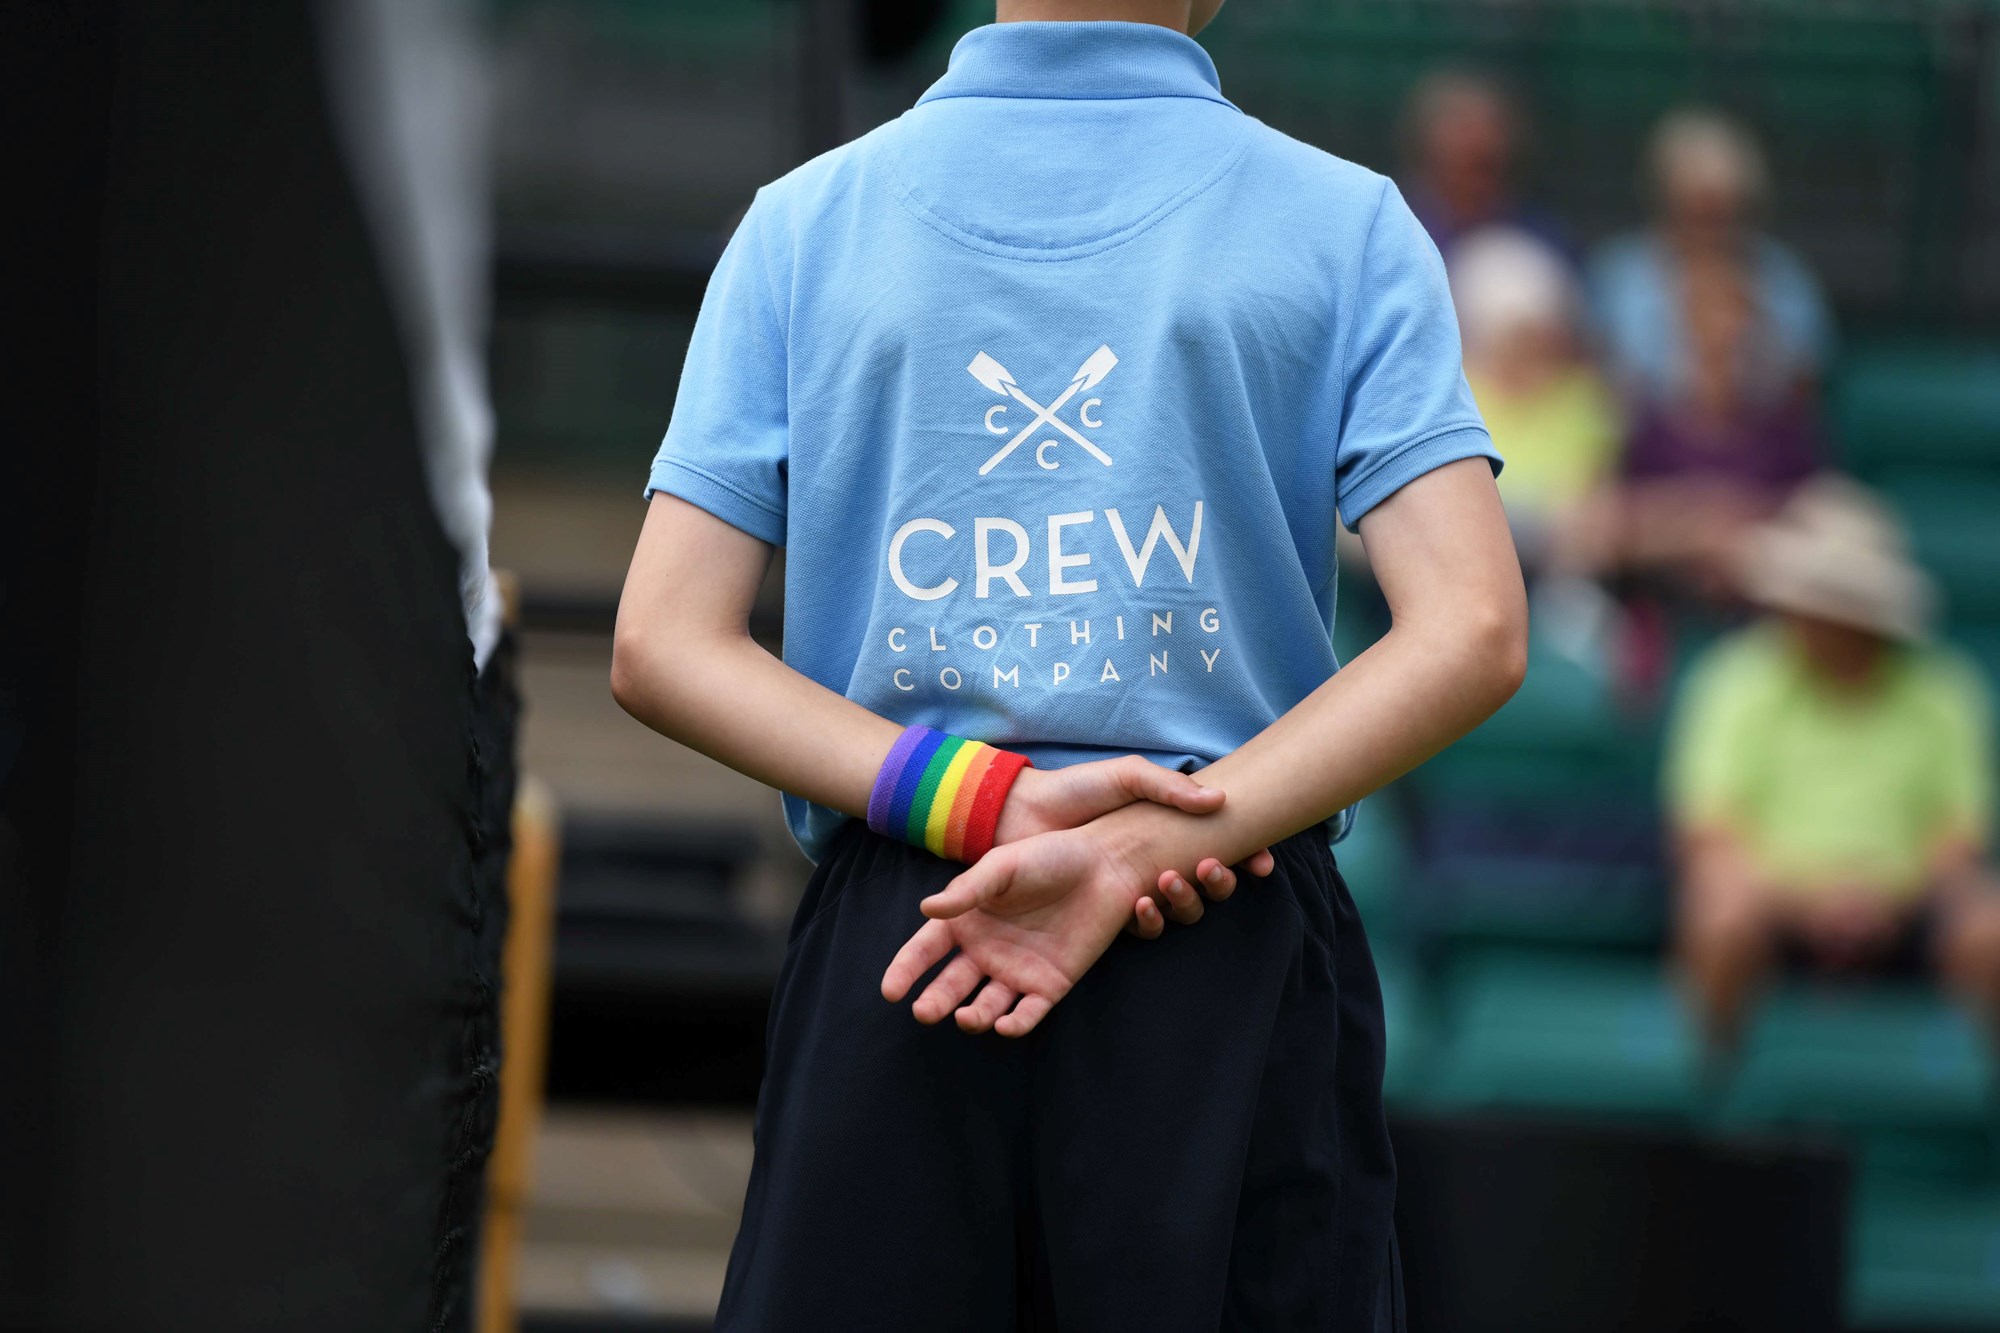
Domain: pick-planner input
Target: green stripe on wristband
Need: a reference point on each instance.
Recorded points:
(927, 787)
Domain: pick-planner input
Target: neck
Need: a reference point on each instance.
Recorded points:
(1162, 13)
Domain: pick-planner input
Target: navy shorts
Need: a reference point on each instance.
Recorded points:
(1192, 1140)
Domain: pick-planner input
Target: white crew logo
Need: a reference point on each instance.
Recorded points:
(996, 378)
(1005, 596)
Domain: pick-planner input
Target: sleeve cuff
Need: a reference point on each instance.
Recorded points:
(727, 501)
(1413, 460)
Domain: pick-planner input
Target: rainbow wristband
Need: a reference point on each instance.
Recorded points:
(942, 793)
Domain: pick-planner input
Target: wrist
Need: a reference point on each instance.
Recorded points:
(1147, 838)
(943, 793)
(1137, 839)
(1026, 811)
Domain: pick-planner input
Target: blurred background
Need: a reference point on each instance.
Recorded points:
(1691, 955)
(1704, 251)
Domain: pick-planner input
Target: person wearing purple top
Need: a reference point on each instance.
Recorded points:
(1720, 453)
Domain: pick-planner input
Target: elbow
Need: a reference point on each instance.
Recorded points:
(655, 677)
(1500, 636)
(628, 671)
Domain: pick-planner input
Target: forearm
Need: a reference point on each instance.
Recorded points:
(726, 696)
(1411, 694)
(1456, 651)
(683, 663)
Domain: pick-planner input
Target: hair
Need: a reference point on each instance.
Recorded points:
(1433, 94)
(1697, 142)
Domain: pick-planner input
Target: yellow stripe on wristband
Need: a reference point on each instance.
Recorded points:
(938, 824)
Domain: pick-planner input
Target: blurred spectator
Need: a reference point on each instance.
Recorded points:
(1829, 777)
(1719, 455)
(1549, 412)
(1464, 138)
(1708, 183)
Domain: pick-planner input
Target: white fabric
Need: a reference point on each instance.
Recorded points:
(409, 100)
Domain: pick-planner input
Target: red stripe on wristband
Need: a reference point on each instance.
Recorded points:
(984, 817)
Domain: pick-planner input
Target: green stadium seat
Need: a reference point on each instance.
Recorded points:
(1897, 407)
(1548, 1031)
(1979, 640)
(1542, 900)
(1924, 1254)
(1542, 827)
(1861, 1057)
(1951, 516)
(1374, 861)
(1406, 1016)
(1561, 736)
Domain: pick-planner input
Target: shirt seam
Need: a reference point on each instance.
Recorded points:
(730, 486)
(1211, 96)
(780, 313)
(1396, 452)
(911, 198)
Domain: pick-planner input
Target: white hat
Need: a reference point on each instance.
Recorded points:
(1503, 280)
(1836, 552)
(1697, 146)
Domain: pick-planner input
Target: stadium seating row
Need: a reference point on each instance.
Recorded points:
(1520, 946)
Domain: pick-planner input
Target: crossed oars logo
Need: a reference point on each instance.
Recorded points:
(995, 377)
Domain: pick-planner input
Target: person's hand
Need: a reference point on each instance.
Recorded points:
(1033, 873)
(1067, 896)
(1044, 800)
(1177, 899)
(1847, 925)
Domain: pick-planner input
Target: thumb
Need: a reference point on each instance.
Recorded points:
(978, 884)
(1145, 781)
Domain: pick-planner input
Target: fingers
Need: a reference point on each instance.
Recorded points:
(1183, 903)
(1218, 881)
(923, 952)
(1147, 923)
(1030, 1011)
(948, 990)
(981, 1014)
(977, 884)
(1143, 780)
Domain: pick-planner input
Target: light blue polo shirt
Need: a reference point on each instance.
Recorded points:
(1051, 388)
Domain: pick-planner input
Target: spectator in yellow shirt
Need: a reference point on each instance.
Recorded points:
(1544, 403)
(1830, 776)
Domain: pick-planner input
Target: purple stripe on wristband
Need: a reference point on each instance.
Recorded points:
(884, 793)
(910, 779)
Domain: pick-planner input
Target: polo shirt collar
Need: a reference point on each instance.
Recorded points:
(1099, 60)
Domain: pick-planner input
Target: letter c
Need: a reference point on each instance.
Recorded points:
(1041, 455)
(992, 412)
(903, 534)
(1083, 412)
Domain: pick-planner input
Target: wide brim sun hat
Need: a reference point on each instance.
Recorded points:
(1837, 553)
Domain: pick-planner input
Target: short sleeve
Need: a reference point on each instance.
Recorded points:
(1406, 409)
(1710, 768)
(727, 444)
